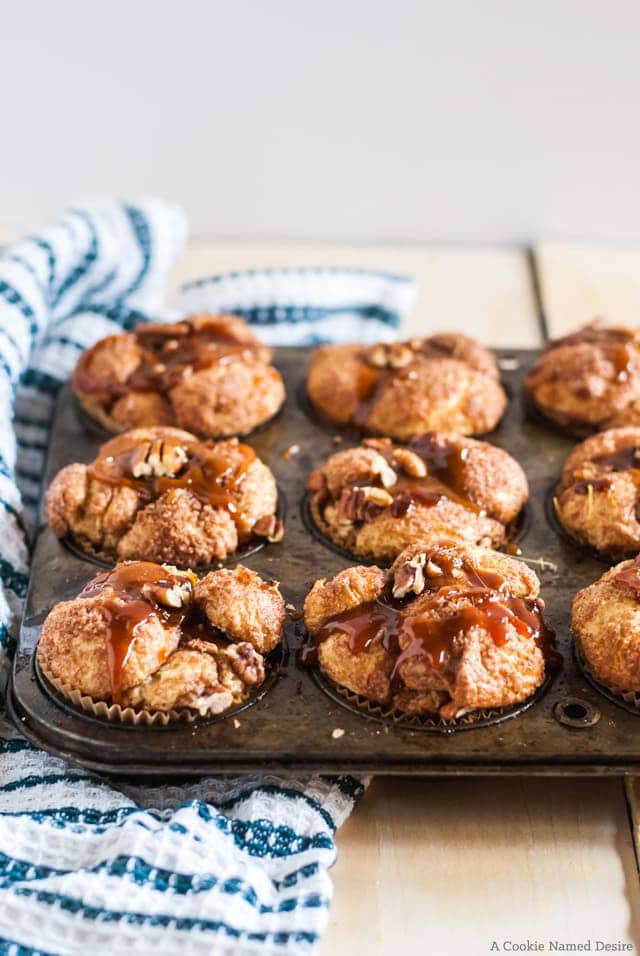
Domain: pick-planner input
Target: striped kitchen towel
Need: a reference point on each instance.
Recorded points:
(224, 865)
(307, 306)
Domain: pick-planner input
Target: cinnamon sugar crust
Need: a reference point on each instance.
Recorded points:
(589, 380)
(208, 374)
(446, 382)
(377, 498)
(598, 498)
(149, 636)
(160, 494)
(445, 631)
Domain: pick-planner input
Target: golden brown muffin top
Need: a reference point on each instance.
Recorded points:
(605, 624)
(163, 353)
(598, 499)
(127, 623)
(156, 460)
(427, 602)
(163, 495)
(401, 389)
(589, 379)
(375, 499)
(433, 466)
(207, 373)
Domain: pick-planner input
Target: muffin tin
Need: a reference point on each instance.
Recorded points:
(300, 722)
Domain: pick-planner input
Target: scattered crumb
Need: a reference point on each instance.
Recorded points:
(293, 612)
(542, 563)
(509, 364)
(290, 451)
(337, 732)
(236, 722)
(337, 439)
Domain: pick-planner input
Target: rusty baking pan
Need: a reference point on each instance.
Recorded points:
(300, 723)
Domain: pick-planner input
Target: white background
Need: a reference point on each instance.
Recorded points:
(458, 119)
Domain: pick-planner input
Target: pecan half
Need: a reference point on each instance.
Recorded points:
(358, 504)
(269, 527)
(410, 577)
(246, 662)
(394, 356)
(160, 458)
(410, 462)
(174, 595)
(381, 469)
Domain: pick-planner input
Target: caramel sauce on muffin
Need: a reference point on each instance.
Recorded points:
(376, 499)
(151, 637)
(161, 494)
(405, 388)
(414, 645)
(207, 373)
(135, 592)
(598, 498)
(204, 468)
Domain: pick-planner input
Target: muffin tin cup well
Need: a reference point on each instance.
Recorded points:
(65, 694)
(298, 723)
(244, 552)
(516, 532)
(628, 699)
(483, 717)
(608, 558)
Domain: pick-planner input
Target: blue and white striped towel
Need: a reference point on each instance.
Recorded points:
(225, 865)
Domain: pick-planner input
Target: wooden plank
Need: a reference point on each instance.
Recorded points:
(579, 282)
(484, 292)
(448, 866)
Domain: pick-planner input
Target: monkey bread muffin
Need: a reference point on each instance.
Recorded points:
(589, 380)
(446, 631)
(159, 494)
(598, 498)
(208, 374)
(445, 382)
(151, 638)
(605, 622)
(376, 499)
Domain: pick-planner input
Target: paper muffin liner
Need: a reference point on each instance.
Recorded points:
(629, 699)
(114, 712)
(465, 720)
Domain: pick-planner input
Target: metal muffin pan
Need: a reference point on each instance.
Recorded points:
(301, 723)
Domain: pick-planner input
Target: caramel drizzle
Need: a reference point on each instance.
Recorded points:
(620, 346)
(127, 608)
(625, 459)
(447, 477)
(167, 351)
(209, 474)
(408, 636)
(372, 380)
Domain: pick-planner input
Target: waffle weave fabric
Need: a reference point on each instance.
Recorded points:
(223, 865)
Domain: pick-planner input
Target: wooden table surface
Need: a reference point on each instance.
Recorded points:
(449, 866)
